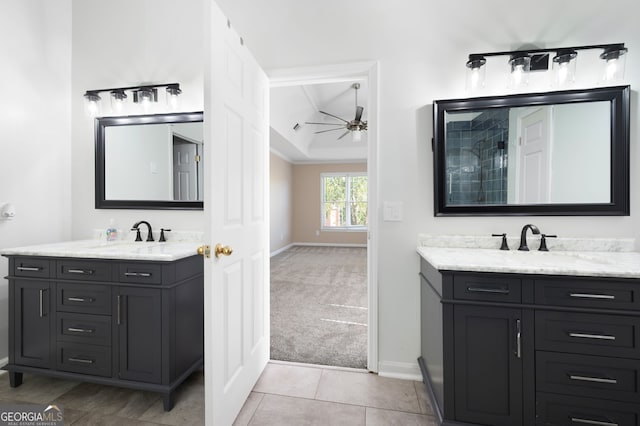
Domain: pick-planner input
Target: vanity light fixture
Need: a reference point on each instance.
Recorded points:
(143, 95)
(521, 62)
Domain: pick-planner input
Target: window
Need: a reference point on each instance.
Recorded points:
(344, 201)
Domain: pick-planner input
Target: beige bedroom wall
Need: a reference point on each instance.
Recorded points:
(281, 208)
(306, 205)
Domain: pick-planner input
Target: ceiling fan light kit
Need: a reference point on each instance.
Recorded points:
(355, 126)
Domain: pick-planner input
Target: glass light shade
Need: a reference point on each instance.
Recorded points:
(564, 68)
(92, 104)
(476, 73)
(356, 135)
(613, 64)
(520, 66)
(173, 97)
(118, 98)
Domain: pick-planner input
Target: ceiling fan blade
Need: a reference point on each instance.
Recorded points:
(359, 111)
(334, 116)
(325, 124)
(344, 134)
(330, 130)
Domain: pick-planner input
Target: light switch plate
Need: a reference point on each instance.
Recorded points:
(393, 211)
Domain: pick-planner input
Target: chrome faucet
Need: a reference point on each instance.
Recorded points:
(523, 236)
(149, 233)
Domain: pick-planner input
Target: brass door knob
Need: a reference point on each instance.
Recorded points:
(204, 251)
(222, 250)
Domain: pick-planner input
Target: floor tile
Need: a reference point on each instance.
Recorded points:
(98, 419)
(368, 390)
(108, 400)
(289, 380)
(248, 409)
(72, 416)
(188, 408)
(279, 410)
(35, 389)
(378, 417)
(423, 399)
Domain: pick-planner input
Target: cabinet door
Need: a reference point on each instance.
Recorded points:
(33, 319)
(139, 329)
(488, 365)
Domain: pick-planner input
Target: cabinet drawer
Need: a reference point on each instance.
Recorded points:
(487, 288)
(32, 267)
(588, 294)
(84, 359)
(563, 410)
(85, 270)
(84, 298)
(84, 328)
(140, 273)
(593, 334)
(586, 375)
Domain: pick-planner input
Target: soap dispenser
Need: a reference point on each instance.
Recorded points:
(112, 231)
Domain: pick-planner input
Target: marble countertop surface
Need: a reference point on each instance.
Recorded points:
(119, 250)
(618, 264)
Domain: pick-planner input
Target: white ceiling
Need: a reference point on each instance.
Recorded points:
(291, 105)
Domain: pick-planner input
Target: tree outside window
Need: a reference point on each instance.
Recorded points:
(344, 201)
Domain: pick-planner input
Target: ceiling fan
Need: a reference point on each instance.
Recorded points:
(356, 125)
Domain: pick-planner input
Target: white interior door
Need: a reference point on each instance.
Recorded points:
(534, 158)
(185, 170)
(236, 286)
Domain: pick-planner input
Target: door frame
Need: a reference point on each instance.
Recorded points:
(346, 72)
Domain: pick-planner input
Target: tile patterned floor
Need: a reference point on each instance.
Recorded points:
(286, 394)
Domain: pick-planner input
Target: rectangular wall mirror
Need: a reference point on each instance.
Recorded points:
(556, 153)
(150, 162)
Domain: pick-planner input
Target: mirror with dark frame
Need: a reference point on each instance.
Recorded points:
(555, 153)
(150, 161)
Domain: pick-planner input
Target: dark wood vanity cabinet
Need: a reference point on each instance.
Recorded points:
(135, 324)
(509, 349)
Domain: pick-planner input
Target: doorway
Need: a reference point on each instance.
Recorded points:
(366, 72)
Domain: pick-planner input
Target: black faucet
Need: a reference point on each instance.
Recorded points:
(523, 236)
(149, 233)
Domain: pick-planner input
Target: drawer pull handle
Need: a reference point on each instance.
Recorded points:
(81, 271)
(487, 290)
(137, 274)
(593, 379)
(592, 296)
(81, 360)
(29, 268)
(80, 299)
(80, 330)
(592, 336)
(591, 422)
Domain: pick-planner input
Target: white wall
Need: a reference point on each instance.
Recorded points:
(280, 202)
(35, 151)
(422, 47)
(139, 162)
(124, 43)
(582, 147)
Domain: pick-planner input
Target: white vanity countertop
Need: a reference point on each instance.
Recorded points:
(593, 264)
(119, 250)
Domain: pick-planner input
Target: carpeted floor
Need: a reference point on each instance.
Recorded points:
(319, 306)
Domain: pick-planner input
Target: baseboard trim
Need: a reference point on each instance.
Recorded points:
(400, 370)
(280, 250)
(328, 245)
(4, 361)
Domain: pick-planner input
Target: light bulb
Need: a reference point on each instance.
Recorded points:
(611, 69)
(356, 135)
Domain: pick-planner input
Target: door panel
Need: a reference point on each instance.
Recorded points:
(236, 286)
(33, 323)
(488, 371)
